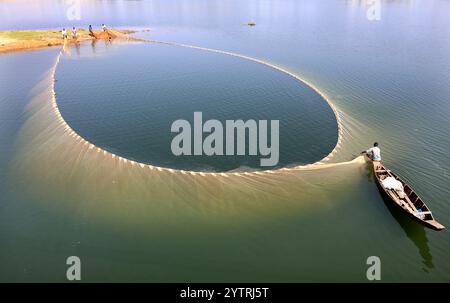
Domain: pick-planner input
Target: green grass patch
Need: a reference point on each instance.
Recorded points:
(37, 34)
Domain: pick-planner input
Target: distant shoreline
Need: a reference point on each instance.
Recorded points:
(22, 40)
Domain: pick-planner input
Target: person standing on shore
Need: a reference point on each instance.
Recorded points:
(91, 32)
(74, 32)
(104, 27)
(64, 33)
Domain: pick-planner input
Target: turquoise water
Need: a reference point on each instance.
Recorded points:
(389, 79)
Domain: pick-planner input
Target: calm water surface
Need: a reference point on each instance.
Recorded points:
(390, 80)
(149, 86)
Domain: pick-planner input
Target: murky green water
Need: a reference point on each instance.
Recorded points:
(390, 80)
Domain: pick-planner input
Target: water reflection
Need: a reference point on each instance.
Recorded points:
(415, 232)
(93, 43)
(77, 47)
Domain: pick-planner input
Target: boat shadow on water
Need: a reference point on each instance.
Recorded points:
(414, 231)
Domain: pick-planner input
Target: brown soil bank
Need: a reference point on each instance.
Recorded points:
(18, 40)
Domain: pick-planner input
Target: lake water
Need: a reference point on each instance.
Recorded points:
(389, 79)
(148, 87)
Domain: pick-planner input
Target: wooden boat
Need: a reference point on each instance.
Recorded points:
(407, 201)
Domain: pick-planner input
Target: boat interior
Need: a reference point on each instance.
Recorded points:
(407, 198)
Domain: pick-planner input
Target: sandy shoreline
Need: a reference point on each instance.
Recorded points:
(21, 40)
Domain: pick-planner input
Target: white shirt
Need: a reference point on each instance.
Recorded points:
(375, 152)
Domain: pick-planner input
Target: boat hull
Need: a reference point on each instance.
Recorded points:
(430, 223)
(386, 196)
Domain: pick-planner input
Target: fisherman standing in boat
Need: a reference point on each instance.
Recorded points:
(373, 153)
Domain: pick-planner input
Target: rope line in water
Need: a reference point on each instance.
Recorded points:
(150, 167)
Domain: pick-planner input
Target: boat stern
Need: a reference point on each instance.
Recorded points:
(435, 225)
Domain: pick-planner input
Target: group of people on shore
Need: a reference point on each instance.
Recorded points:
(64, 33)
(74, 31)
